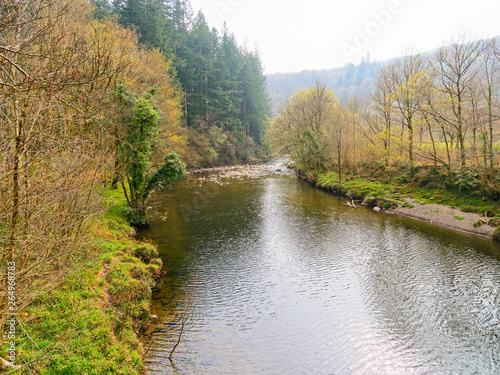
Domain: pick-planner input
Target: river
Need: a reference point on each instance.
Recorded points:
(273, 276)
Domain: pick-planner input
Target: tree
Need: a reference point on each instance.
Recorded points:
(229, 62)
(491, 69)
(225, 103)
(383, 99)
(457, 69)
(407, 74)
(300, 130)
(141, 129)
(53, 150)
(200, 65)
(255, 112)
(339, 139)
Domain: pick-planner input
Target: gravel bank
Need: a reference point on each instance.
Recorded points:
(445, 216)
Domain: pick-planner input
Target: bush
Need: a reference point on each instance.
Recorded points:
(468, 182)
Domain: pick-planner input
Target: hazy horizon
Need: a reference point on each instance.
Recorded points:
(293, 36)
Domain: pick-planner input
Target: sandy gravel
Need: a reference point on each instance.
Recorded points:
(445, 216)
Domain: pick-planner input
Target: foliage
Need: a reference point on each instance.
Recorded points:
(86, 325)
(62, 136)
(468, 181)
(142, 120)
(223, 84)
(313, 129)
(428, 130)
(388, 190)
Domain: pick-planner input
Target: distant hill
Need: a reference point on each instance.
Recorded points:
(347, 81)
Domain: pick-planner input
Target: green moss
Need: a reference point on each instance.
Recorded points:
(369, 191)
(394, 187)
(495, 222)
(87, 324)
(496, 234)
(146, 252)
(478, 223)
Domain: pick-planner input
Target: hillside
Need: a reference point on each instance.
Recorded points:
(347, 81)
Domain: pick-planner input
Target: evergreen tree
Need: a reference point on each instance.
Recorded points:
(130, 12)
(200, 65)
(102, 9)
(224, 87)
(230, 64)
(147, 16)
(255, 105)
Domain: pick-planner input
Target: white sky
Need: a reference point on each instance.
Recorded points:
(293, 35)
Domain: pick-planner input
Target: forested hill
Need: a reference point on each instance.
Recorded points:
(346, 82)
(225, 104)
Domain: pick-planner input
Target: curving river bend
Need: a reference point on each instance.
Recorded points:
(285, 279)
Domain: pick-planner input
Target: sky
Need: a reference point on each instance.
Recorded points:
(296, 35)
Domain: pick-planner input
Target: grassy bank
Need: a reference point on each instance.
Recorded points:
(90, 323)
(400, 188)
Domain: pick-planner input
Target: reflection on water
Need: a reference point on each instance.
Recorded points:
(287, 280)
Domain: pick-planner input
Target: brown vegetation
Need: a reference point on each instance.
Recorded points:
(59, 131)
(436, 111)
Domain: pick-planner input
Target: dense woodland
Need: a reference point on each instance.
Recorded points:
(225, 104)
(438, 111)
(121, 94)
(98, 94)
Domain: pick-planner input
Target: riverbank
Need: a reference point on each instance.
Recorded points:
(275, 257)
(92, 322)
(433, 205)
(444, 216)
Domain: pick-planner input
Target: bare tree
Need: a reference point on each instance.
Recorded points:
(383, 100)
(339, 138)
(51, 151)
(458, 68)
(491, 70)
(406, 75)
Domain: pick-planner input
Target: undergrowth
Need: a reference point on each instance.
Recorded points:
(466, 190)
(89, 324)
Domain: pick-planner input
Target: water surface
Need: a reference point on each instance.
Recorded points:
(285, 279)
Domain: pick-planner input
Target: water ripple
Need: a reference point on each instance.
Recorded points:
(286, 280)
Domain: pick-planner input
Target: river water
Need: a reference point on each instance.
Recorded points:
(272, 276)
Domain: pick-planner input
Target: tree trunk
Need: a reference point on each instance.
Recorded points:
(410, 141)
(490, 122)
(339, 161)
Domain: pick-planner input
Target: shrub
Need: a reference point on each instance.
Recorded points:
(467, 181)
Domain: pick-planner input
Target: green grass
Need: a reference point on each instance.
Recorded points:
(370, 191)
(464, 202)
(87, 324)
(390, 191)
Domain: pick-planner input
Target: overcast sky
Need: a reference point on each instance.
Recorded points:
(293, 35)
